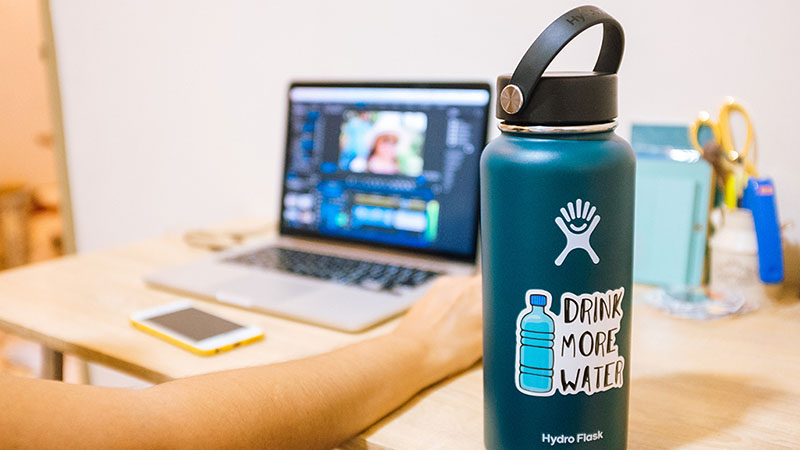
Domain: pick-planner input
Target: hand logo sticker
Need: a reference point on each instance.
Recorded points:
(580, 223)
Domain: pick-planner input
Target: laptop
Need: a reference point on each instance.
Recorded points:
(379, 197)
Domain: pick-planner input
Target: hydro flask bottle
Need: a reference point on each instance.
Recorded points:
(557, 196)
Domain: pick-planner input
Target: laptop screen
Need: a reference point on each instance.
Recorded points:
(391, 165)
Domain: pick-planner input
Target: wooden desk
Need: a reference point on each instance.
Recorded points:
(731, 383)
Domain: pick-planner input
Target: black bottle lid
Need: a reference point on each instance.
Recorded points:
(531, 97)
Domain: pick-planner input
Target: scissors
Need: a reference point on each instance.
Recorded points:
(736, 158)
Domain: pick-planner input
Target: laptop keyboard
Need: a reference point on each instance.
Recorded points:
(369, 275)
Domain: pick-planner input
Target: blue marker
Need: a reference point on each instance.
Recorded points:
(759, 197)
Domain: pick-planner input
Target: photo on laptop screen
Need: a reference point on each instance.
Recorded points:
(392, 165)
(384, 142)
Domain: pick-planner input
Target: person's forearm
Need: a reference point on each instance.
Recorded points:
(310, 403)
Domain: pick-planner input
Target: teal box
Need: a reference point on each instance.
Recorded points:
(673, 193)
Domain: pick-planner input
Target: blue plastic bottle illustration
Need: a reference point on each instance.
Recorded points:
(535, 353)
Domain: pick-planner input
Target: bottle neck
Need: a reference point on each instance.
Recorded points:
(557, 129)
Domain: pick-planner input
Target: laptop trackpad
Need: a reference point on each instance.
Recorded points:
(250, 291)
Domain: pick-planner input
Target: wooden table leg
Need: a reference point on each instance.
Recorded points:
(52, 364)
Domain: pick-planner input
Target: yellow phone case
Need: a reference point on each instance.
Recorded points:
(186, 346)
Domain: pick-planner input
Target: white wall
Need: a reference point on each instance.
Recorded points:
(174, 110)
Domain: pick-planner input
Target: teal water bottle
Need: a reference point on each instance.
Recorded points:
(557, 196)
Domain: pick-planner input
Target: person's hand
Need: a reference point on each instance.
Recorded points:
(446, 323)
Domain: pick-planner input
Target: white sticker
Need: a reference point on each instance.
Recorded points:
(575, 351)
(578, 223)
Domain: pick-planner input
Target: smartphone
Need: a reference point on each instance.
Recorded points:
(192, 329)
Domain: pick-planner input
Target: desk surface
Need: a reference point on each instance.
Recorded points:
(732, 383)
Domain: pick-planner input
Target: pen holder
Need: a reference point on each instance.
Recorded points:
(734, 257)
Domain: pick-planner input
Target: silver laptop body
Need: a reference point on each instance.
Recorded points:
(379, 196)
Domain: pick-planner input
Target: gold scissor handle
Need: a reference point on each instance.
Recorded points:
(726, 136)
(704, 120)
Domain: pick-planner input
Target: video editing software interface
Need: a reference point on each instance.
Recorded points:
(396, 166)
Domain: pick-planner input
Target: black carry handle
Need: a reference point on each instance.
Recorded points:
(555, 37)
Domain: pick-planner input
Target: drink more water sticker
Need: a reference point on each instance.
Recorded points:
(583, 343)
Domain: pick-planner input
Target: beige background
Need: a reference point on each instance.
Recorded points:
(174, 110)
(26, 155)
